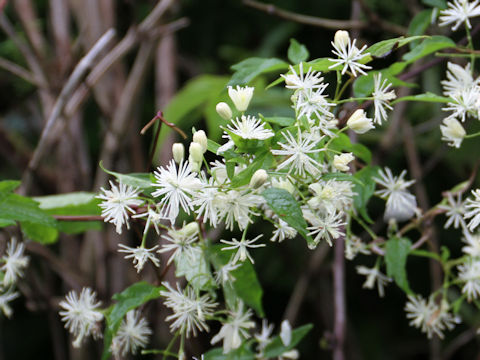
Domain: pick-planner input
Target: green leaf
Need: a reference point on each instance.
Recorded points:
(297, 52)
(276, 348)
(441, 4)
(261, 162)
(130, 298)
(195, 269)
(282, 121)
(397, 250)
(246, 285)
(7, 186)
(342, 143)
(364, 85)
(427, 47)
(419, 25)
(68, 200)
(249, 69)
(242, 353)
(426, 97)
(141, 181)
(286, 207)
(5, 223)
(384, 47)
(364, 190)
(19, 208)
(39, 233)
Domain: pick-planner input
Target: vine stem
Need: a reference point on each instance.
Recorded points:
(339, 327)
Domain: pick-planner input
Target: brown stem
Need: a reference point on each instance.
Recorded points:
(339, 327)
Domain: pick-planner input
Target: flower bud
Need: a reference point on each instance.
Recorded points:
(178, 151)
(359, 122)
(224, 110)
(340, 162)
(196, 152)
(194, 165)
(190, 229)
(241, 96)
(258, 179)
(341, 39)
(201, 138)
(283, 184)
(453, 132)
(286, 333)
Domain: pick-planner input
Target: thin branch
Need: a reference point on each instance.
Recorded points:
(125, 45)
(322, 22)
(19, 71)
(75, 78)
(339, 327)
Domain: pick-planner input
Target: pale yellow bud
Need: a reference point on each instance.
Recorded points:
(190, 229)
(283, 184)
(341, 39)
(241, 96)
(194, 165)
(224, 110)
(453, 132)
(201, 138)
(258, 179)
(196, 152)
(359, 122)
(340, 162)
(178, 151)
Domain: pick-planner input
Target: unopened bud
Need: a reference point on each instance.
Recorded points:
(178, 151)
(201, 138)
(359, 122)
(283, 184)
(241, 96)
(258, 179)
(190, 229)
(224, 110)
(340, 162)
(341, 39)
(194, 165)
(196, 152)
(453, 132)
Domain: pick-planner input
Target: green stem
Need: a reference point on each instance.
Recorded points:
(472, 135)
(354, 99)
(366, 227)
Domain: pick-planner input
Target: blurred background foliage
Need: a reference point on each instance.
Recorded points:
(192, 65)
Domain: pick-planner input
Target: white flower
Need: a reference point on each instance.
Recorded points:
(5, 298)
(455, 211)
(223, 275)
(116, 202)
(237, 207)
(459, 12)
(190, 312)
(181, 245)
(430, 317)
(474, 210)
(349, 56)
(153, 217)
(286, 333)
(354, 246)
(140, 255)
(381, 95)
(249, 127)
(242, 246)
(331, 195)
(14, 262)
(453, 132)
(340, 162)
(263, 338)
(311, 80)
(465, 102)
(359, 122)
(458, 79)
(327, 226)
(177, 188)
(469, 272)
(241, 96)
(206, 200)
(401, 205)
(473, 245)
(298, 150)
(234, 329)
(313, 102)
(132, 334)
(81, 315)
(374, 275)
(282, 231)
